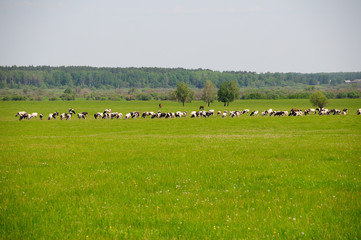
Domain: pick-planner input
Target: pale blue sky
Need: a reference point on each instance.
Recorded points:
(261, 35)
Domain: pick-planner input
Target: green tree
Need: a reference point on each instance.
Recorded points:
(68, 91)
(319, 99)
(208, 92)
(183, 93)
(228, 92)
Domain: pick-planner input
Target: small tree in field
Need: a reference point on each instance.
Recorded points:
(318, 99)
(208, 94)
(228, 92)
(183, 93)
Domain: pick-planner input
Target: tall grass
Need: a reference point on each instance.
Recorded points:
(214, 178)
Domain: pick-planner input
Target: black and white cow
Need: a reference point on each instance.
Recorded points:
(21, 114)
(81, 116)
(63, 116)
(53, 115)
(254, 113)
(98, 115)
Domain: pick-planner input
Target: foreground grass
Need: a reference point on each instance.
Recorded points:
(290, 177)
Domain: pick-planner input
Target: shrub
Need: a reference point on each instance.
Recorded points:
(129, 97)
(67, 97)
(53, 98)
(353, 95)
(143, 97)
(341, 95)
(18, 98)
(318, 99)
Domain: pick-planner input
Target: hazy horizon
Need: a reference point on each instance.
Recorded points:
(257, 36)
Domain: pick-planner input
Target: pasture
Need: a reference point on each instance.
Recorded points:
(201, 178)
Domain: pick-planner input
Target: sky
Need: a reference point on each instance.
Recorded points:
(304, 36)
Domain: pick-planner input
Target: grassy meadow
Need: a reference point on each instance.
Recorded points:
(205, 178)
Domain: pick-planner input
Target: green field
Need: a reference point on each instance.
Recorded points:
(215, 178)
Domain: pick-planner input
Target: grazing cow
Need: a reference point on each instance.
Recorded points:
(254, 113)
(323, 112)
(335, 112)
(81, 116)
(235, 113)
(201, 107)
(224, 114)
(146, 114)
(85, 114)
(309, 111)
(219, 113)
(296, 112)
(358, 111)
(107, 111)
(20, 113)
(71, 111)
(128, 115)
(41, 116)
(135, 114)
(245, 111)
(160, 105)
(107, 115)
(279, 113)
(63, 116)
(210, 113)
(98, 115)
(34, 115)
(68, 116)
(23, 116)
(53, 115)
(344, 111)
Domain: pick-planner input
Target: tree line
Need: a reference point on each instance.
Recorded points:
(108, 78)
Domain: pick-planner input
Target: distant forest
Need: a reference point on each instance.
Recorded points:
(106, 78)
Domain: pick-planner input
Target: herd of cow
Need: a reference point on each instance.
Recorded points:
(108, 114)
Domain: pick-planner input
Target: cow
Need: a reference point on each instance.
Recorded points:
(201, 107)
(335, 112)
(160, 105)
(295, 112)
(34, 115)
(107, 111)
(41, 116)
(23, 116)
(63, 116)
(309, 111)
(71, 111)
(358, 111)
(20, 113)
(98, 115)
(53, 115)
(81, 116)
(245, 111)
(135, 114)
(254, 113)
